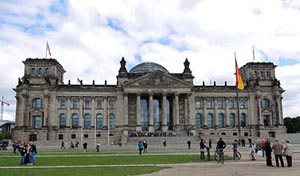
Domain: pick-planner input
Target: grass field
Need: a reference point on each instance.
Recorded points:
(109, 162)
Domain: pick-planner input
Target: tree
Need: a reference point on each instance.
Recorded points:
(292, 124)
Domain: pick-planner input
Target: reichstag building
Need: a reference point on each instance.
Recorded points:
(147, 100)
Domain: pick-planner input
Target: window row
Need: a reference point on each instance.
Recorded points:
(220, 121)
(87, 121)
(39, 71)
(87, 104)
(221, 104)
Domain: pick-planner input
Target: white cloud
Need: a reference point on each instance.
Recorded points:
(207, 32)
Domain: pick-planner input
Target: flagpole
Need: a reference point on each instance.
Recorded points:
(46, 50)
(238, 103)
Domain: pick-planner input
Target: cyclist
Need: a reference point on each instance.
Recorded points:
(236, 153)
(221, 145)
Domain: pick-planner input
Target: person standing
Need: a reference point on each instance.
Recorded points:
(202, 149)
(98, 146)
(209, 143)
(268, 150)
(140, 147)
(145, 145)
(189, 143)
(85, 147)
(288, 152)
(277, 147)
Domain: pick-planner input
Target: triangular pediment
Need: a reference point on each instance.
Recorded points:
(157, 79)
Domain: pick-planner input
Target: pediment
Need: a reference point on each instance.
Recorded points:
(157, 79)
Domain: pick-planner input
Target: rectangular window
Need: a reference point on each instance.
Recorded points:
(198, 104)
(209, 104)
(99, 104)
(221, 104)
(86, 135)
(111, 104)
(62, 104)
(73, 136)
(37, 121)
(60, 136)
(87, 104)
(75, 104)
(231, 104)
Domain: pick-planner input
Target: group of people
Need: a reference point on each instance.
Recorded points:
(280, 149)
(27, 152)
(142, 146)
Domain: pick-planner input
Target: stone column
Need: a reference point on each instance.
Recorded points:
(105, 113)
(68, 115)
(177, 122)
(93, 116)
(204, 112)
(260, 118)
(192, 121)
(81, 112)
(279, 109)
(151, 127)
(216, 113)
(138, 113)
(125, 109)
(164, 113)
(227, 120)
(45, 119)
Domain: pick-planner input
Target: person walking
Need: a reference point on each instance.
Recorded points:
(277, 147)
(288, 152)
(62, 145)
(140, 147)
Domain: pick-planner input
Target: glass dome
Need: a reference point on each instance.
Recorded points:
(148, 67)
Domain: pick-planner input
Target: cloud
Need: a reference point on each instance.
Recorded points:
(90, 38)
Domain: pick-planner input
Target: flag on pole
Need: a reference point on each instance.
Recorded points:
(48, 49)
(239, 80)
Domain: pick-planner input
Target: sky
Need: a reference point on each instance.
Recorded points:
(90, 37)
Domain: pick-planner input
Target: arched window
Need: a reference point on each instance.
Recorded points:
(112, 121)
(198, 120)
(210, 121)
(47, 71)
(243, 120)
(99, 121)
(37, 103)
(62, 120)
(232, 120)
(32, 71)
(40, 71)
(87, 121)
(75, 121)
(221, 120)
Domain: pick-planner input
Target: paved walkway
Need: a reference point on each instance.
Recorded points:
(245, 167)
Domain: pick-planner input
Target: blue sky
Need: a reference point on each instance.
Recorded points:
(89, 38)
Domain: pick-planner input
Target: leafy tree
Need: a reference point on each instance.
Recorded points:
(292, 124)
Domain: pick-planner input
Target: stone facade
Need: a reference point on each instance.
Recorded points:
(147, 100)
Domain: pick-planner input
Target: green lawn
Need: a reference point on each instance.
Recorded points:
(91, 163)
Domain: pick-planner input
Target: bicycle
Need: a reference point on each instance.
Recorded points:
(236, 154)
(219, 156)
